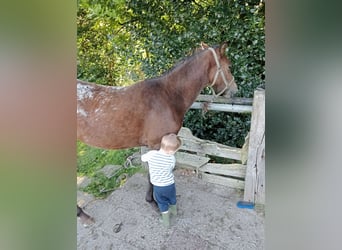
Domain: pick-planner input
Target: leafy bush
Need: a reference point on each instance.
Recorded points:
(221, 127)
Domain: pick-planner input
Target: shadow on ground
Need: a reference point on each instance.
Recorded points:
(207, 219)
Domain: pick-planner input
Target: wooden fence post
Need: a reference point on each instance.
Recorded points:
(255, 172)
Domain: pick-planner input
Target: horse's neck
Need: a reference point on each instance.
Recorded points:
(189, 79)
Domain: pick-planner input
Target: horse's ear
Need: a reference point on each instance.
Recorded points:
(204, 45)
(223, 47)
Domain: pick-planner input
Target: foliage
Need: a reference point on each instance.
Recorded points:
(220, 127)
(105, 50)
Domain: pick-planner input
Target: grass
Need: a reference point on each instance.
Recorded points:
(90, 160)
(101, 186)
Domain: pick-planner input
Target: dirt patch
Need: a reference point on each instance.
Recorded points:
(207, 219)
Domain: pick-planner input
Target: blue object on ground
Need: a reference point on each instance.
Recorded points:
(245, 204)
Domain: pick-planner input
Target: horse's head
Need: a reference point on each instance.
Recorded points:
(220, 77)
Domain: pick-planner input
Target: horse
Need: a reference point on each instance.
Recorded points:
(141, 114)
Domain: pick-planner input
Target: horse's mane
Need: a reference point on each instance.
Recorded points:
(194, 53)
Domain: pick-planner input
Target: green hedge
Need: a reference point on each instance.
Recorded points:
(225, 128)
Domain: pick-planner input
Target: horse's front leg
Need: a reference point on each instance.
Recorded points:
(149, 193)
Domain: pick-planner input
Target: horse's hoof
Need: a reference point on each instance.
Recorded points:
(86, 220)
(155, 206)
(149, 199)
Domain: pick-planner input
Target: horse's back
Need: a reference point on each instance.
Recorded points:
(103, 116)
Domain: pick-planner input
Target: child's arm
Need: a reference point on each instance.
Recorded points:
(145, 157)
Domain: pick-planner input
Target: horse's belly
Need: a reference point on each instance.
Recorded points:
(105, 134)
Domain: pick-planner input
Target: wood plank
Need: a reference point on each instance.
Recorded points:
(221, 99)
(186, 160)
(234, 108)
(255, 172)
(185, 132)
(194, 144)
(244, 150)
(234, 170)
(260, 182)
(229, 182)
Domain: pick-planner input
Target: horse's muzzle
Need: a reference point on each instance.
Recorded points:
(229, 93)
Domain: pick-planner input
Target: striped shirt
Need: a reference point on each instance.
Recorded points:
(160, 167)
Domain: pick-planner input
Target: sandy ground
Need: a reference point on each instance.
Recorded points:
(207, 219)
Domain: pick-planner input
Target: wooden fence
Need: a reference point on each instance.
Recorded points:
(249, 173)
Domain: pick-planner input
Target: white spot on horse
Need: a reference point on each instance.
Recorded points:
(84, 91)
(116, 88)
(81, 112)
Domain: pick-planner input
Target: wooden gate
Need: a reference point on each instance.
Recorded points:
(249, 173)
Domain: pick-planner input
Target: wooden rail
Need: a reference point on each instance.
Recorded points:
(200, 146)
(223, 107)
(249, 174)
(231, 175)
(236, 105)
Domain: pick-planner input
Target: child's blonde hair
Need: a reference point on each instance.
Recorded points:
(170, 143)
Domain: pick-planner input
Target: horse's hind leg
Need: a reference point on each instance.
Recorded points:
(85, 218)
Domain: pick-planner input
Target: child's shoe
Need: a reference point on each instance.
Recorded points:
(173, 209)
(165, 219)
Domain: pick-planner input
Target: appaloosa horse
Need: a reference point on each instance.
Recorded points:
(139, 115)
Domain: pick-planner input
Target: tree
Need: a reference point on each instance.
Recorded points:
(106, 54)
